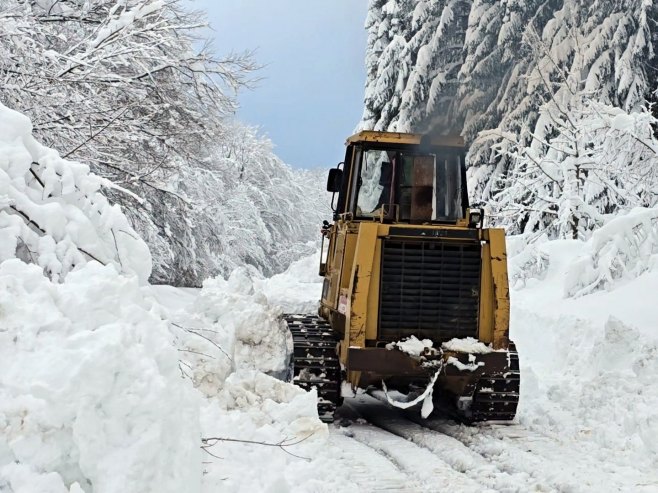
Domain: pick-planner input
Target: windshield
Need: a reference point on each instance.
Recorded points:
(407, 186)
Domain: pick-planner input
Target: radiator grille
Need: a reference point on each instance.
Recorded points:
(430, 289)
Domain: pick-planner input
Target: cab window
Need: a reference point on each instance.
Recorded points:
(408, 186)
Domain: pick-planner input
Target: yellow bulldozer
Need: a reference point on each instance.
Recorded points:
(415, 289)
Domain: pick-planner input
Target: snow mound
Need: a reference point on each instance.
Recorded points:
(245, 406)
(90, 389)
(52, 212)
(411, 345)
(526, 260)
(231, 326)
(624, 248)
(466, 345)
(589, 364)
(298, 289)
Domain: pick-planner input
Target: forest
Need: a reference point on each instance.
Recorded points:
(554, 98)
(130, 89)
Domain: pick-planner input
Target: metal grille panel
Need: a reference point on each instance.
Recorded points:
(430, 289)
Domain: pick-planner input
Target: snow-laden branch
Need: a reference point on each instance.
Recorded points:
(624, 248)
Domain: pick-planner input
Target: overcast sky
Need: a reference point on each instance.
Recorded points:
(311, 94)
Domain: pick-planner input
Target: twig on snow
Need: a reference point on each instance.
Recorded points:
(283, 444)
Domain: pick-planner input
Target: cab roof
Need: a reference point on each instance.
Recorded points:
(404, 138)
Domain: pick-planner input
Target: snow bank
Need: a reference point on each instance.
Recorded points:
(103, 388)
(90, 389)
(244, 402)
(52, 212)
(298, 289)
(589, 364)
(624, 248)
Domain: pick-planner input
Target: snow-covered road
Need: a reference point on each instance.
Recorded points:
(586, 421)
(438, 455)
(587, 417)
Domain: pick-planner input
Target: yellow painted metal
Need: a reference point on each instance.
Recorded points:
(373, 289)
(350, 248)
(486, 322)
(357, 313)
(335, 265)
(363, 264)
(500, 288)
(403, 138)
(358, 244)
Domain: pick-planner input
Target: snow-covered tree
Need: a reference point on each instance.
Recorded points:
(127, 87)
(121, 86)
(52, 213)
(386, 66)
(117, 83)
(413, 56)
(522, 67)
(596, 160)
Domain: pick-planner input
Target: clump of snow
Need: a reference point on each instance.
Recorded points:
(298, 289)
(470, 366)
(90, 388)
(466, 345)
(527, 260)
(624, 248)
(52, 212)
(237, 316)
(411, 345)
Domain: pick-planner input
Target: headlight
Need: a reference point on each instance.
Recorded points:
(475, 217)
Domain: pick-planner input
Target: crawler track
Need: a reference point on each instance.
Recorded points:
(496, 396)
(315, 361)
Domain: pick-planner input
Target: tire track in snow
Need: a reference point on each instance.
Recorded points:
(509, 458)
(427, 472)
(564, 466)
(460, 459)
(369, 470)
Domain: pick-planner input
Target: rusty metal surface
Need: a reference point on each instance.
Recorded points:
(385, 362)
(422, 191)
(403, 138)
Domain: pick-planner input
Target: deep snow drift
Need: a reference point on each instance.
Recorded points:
(589, 364)
(103, 387)
(90, 390)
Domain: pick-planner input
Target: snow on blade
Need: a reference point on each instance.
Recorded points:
(471, 366)
(411, 345)
(466, 345)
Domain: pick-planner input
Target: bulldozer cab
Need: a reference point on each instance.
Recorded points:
(400, 178)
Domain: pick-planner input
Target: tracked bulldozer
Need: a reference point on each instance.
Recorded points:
(415, 290)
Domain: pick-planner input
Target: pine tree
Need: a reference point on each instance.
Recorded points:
(520, 64)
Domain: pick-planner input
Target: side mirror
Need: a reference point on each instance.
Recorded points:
(334, 180)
